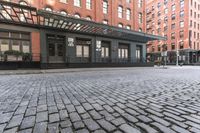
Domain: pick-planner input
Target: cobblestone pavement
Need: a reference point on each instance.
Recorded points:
(135, 100)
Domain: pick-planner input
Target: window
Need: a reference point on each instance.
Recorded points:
(159, 48)
(82, 48)
(140, 3)
(181, 34)
(140, 18)
(173, 46)
(105, 21)
(88, 18)
(140, 30)
(4, 45)
(123, 51)
(165, 2)
(15, 41)
(88, 4)
(181, 13)
(128, 27)
(173, 7)
(173, 36)
(173, 16)
(105, 7)
(120, 11)
(63, 13)
(77, 3)
(181, 24)
(120, 25)
(128, 14)
(77, 15)
(166, 11)
(181, 45)
(128, 1)
(63, 1)
(182, 3)
(104, 52)
(159, 5)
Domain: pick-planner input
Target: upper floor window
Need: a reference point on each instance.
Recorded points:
(159, 5)
(173, 7)
(128, 14)
(128, 27)
(63, 13)
(140, 2)
(181, 13)
(166, 11)
(182, 3)
(88, 18)
(120, 25)
(88, 4)
(165, 2)
(63, 1)
(181, 24)
(48, 9)
(128, 1)
(77, 3)
(77, 16)
(120, 11)
(140, 18)
(105, 21)
(105, 7)
(140, 30)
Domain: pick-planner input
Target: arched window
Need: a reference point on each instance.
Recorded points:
(128, 27)
(88, 18)
(105, 21)
(77, 15)
(64, 13)
(48, 9)
(23, 13)
(120, 25)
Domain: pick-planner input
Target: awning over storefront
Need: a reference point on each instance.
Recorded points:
(12, 13)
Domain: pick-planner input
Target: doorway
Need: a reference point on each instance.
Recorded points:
(56, 48)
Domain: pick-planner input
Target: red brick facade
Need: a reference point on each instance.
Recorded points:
(177, 20)
(96, 11)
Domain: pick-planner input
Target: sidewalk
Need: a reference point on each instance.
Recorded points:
(67, 70)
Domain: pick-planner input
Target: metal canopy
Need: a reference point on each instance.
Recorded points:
(29, 16)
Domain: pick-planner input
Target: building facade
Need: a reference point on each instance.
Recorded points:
(178, 21)
(73, 31)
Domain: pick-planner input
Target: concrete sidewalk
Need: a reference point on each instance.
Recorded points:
(67, 70)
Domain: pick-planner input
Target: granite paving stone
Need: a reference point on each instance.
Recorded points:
(100, 100)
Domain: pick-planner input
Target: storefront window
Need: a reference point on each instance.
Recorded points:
(15, 45)
(14, 41)
(79, 51)
(123, 51)
(26, 46)
(82, 48)
(4, 45)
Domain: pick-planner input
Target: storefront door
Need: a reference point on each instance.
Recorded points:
(56, 50)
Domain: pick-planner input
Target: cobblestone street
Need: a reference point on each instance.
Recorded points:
(131, 100)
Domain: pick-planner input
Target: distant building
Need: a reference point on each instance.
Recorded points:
(75, 32)
(178, 21)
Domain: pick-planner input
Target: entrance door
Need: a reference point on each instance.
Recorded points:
(139, 53)
(56, 52)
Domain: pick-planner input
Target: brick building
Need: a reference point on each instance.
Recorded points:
(178, 21)
(74, 31)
